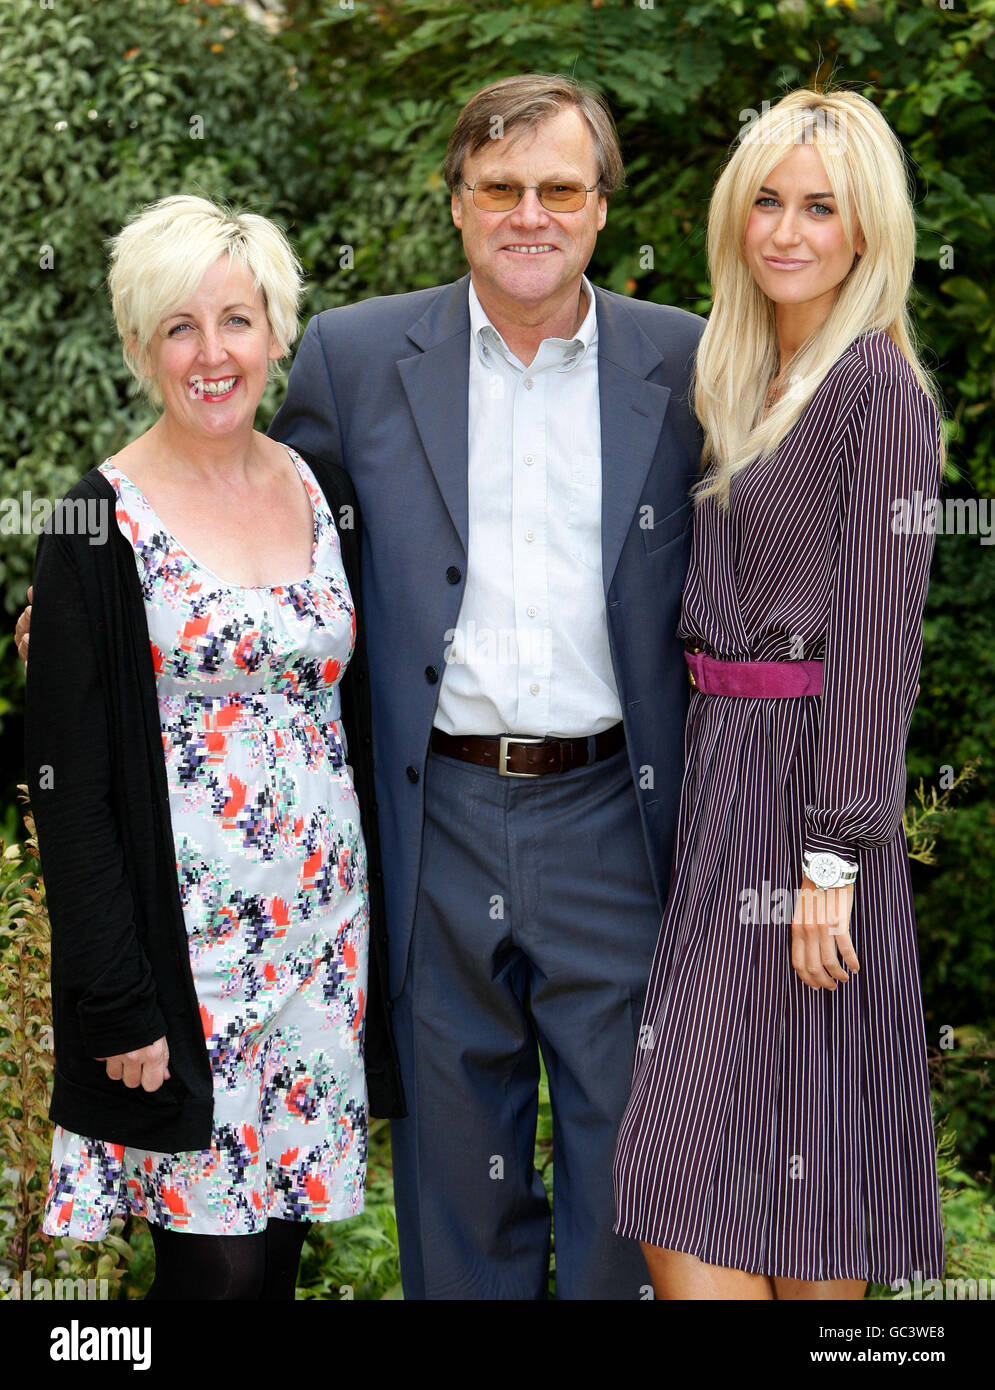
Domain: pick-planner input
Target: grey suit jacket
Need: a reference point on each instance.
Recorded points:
(380, 388)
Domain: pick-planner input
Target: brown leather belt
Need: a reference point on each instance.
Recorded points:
(528, 757)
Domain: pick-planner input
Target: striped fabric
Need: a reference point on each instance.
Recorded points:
(772, 1127)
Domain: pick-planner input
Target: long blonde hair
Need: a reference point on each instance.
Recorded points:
(738, 353)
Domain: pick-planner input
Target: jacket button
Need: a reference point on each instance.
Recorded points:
(412, 774)
(453, 575)
(367, 740)
(361, 675)
(431, 674)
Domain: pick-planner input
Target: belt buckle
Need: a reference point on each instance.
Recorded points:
(503, 769)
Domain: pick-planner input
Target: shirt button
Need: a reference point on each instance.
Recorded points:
(534, 689)
(528, 383)
(530, 535)
(530, 458)
(532, 612)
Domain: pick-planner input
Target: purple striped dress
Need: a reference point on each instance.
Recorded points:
(773, 1127)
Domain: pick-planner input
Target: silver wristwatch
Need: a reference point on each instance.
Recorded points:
(827, 870)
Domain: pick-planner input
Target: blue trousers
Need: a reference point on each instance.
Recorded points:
(535, 929)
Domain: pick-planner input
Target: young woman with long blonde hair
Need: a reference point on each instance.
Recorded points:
(778, 1141)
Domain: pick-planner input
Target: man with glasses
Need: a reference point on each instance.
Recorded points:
(522, 446)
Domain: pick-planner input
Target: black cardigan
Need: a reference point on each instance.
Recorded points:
(121, 973)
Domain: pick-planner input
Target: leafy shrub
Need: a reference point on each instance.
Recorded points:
(26, 1063)
(337, 124)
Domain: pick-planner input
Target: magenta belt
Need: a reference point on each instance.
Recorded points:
(760, 680)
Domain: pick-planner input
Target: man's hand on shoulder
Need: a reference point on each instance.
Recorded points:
(21, 630)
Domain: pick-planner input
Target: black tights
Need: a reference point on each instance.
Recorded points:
(261, 1266)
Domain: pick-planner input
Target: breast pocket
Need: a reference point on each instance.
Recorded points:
(665, 528)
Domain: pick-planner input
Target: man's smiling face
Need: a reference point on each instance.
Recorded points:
(496, 243)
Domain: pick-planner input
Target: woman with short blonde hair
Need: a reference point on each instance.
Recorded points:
(204, 852)
(161, 256)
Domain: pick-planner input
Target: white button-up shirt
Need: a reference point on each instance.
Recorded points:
(530, 652)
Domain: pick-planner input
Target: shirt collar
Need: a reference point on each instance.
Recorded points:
(559, 353)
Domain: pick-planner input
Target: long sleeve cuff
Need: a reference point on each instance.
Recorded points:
(815, 842)
(111, 1035)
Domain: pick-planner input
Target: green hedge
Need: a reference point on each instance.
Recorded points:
(337, 124)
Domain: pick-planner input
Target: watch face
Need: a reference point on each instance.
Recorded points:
(824, 870)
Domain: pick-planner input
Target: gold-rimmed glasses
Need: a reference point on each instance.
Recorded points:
(496, 195)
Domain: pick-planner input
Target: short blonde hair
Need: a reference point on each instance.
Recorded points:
(160, 257)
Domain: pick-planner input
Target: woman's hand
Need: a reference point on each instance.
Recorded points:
(147, 1067)
(820, 928)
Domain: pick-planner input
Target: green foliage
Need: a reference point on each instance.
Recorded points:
(25, 1086)
(968, 1217)
(921, 815)
(26, 1051)
(99, 106)
(953, 728)
(337, 126)
(11, 702)
(963, 1081)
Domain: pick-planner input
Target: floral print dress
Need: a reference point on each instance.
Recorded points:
(272, 874)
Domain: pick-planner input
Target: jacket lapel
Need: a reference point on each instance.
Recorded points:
(632, 411)
(437, 383)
